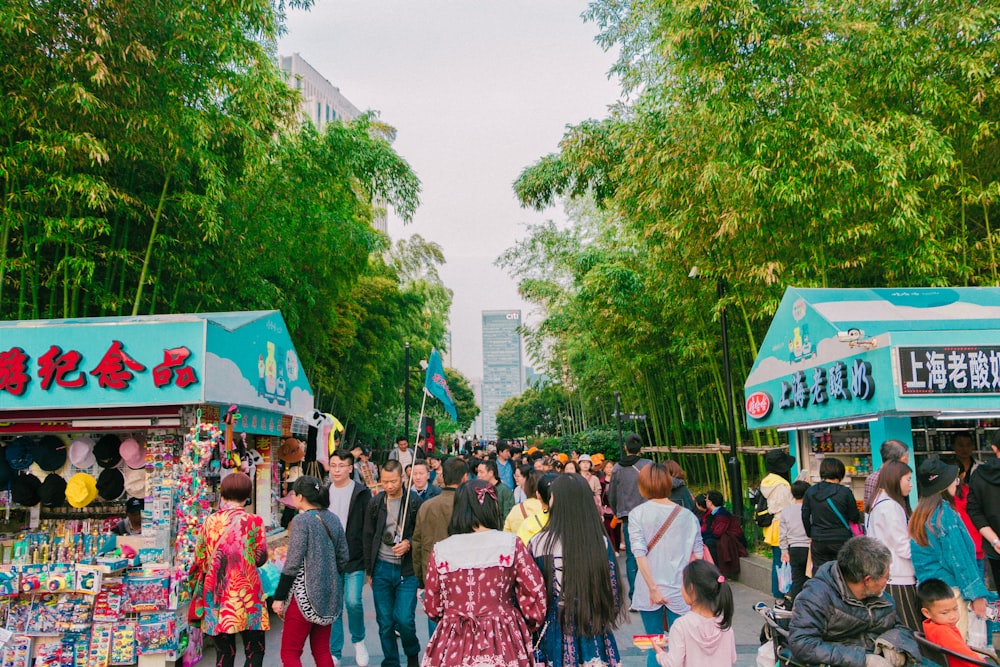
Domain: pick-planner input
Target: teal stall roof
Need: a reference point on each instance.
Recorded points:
(242, 358)
(924, 348)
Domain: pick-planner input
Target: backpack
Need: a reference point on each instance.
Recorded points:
(761, 516)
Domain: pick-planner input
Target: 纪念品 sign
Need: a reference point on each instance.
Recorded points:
(949, 369)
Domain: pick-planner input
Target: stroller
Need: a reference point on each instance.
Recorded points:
(775, 634)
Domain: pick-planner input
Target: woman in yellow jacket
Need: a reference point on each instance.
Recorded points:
(535, 522)
(778, 491)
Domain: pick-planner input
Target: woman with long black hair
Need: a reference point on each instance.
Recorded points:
(581, 580)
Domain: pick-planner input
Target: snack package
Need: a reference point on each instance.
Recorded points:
(645, 642)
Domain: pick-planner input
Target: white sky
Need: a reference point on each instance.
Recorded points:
(477, 90)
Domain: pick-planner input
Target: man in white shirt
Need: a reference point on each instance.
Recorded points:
(402, 452)
(349, 500)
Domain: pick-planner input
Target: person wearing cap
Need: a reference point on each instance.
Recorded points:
(984, 506)
(132, 523)
(778, 490)
(940, 546)
(586, 465)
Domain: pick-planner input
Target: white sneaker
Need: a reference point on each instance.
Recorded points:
(361, 654)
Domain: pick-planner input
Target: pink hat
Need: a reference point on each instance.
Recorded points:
(287, 500)
(132, 453)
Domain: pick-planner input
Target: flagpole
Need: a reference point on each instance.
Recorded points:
(409, 483)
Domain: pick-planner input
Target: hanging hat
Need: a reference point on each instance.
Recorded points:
(81, 452)
(111, 484)
(934, 476)
(135, 482)
(778, 461)
(106, 451)
(53, 491)
(132, 453)
(50, 453)
(37, 471)
(291, 450)
(6, 473)
(20, 452)
(81, 490)
(24, 490)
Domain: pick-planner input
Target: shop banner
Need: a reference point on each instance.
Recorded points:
(954, 369)
(101, 363)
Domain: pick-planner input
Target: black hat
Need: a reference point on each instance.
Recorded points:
(778, 461)
(50, 453)
(24, 490)
(6, 473)
(106, 451)
(134, 505)
(111, 484)
(53, 491)
(934, 476)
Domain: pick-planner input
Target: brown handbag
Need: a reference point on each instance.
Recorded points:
(663, 528)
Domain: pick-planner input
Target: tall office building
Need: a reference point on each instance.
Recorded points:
(323, 103)
(503, 371)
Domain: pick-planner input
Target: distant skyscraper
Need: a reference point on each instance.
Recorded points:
(503, 373)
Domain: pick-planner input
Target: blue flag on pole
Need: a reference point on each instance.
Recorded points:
(436, 385)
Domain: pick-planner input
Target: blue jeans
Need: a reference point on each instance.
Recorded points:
(775, 563)
(353, 582)
(652, 624)
(631, 569)
(395, 609)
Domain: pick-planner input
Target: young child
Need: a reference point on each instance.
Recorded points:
(939, 606)
(794, 541)
(704, 637)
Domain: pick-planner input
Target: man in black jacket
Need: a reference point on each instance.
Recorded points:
(984, 507)
(389, 563)
(841, 613)
(349, 500)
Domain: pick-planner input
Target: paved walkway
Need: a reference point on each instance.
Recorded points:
(747, 624)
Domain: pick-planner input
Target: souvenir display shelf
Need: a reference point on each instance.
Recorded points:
(64, 603)
(851, 445)
(933, 436)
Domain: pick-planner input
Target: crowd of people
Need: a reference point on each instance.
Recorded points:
(861, 589)
(512, 552)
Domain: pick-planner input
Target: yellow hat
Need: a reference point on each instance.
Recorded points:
(597, 459)
(563, 458)
(81, 490)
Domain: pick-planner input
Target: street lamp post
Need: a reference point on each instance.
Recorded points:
(618, 414)
(735, 483)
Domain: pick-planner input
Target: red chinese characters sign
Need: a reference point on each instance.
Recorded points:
(115, 370)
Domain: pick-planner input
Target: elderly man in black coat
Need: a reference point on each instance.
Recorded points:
(841, 615)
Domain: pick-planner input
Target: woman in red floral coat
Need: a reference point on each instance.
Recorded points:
(483, 588)
(230, 549)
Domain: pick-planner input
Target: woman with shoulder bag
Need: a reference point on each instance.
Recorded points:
(665, 537)
(228, 595)
(310, 592)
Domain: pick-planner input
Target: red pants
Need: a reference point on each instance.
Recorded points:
(294, 634)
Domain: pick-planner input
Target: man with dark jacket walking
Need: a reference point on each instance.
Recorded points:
(624, 496)
(841, 614)
(349, 500)
(433, 519)
(984, 507)
(389, 562)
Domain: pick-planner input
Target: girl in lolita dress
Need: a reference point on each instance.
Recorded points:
(483, 589)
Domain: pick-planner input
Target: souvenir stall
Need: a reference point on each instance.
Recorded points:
(115, 433)
(843, 370)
